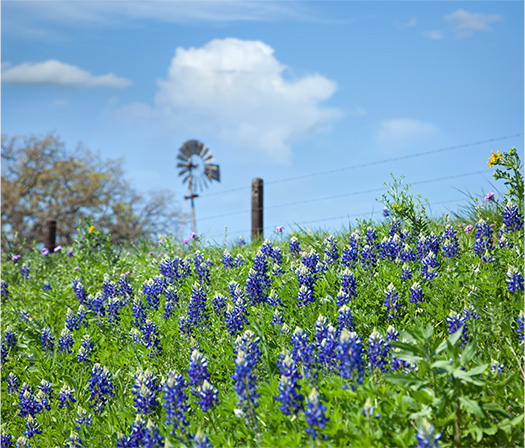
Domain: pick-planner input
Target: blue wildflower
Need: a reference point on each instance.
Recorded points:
(197, 311)
(47, 287)
(12, 383)
(152, 437)
(484, 242)
(330, 249)
(303, 352)
(171, 301)
(514, 280)
(175, 402)
(47, 394)
(101, 387)
(345, 319)
(227, 259)
(24, 272)
(86, 349)
(80, 291)
(351, 250)
(425, 436)
(139, 312)
(521, 320)
(125, 290)
(512, 218)
(294, 246)
(315, 415)
(207, 396)
(32, 427)
(449, 242)
(219, 304)
(8, 342)
(391, 302)
(277, 318)
(83, 418)
(47, 341)
(200, 440)
(349, 355)
(378, 352)
(66, 397)
(4, 290)
(65, 341)
(198, 369)
(429, 266)
(416, 293)
(151, 338)
(145, 391)
(6, 440)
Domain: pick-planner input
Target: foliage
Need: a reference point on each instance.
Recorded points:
(42, 179)
(511, 172)
(166, 361)
(403, 206)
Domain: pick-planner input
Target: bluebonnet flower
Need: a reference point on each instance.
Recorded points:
(245, 385)
(236, 317)
(65, 341)
(202, 268)
(311, 262)
(351, 250)
(47, 341)
(47, 287)
(315, 415)
(294, 246)
(390, 248)
(497, 366)
(457, 321)
(330, 249)
(368, 258)
(145, 391)
(80, 291)
(241, 241)
(198, 369)
(135, 336)
(152, 289)
(12, 383)
(304, 296)
(484, 243)
(24, 315)
(378, 351)
(152, 437)
(407, 254)
(391, 302)
(200, 440)
(514, 280)
(86, 349)
(368, 410)
(101, 387)
(277, 255)
(512, 218)
(303, 352)
(274, 299)
(197, 311)
(139, 312)
(151, 338)
(449, 242)
(306, 279)
(24, 271)
(171, 301)
(327, 348)
(6, 440)
(32, 427)
(22, 442)
(138, 432)
(114, 306)
(96, 303)
(172, 269)
(227, 259)
(239, 261)
(521, 320)
(46, 394)
(4, 290)
(321, 328)
(386, 212)
(219, 304)
(416, 293)
(125, 290)
(291, 400)
(8, 342)
(81, 316)
(429, 265)
(349, 355)
(406, 272)
(83, 418)
(425, 436)
(109, 288)
(28, 403)
(348, 285)
(258, 281)
(175, 402)
(72, 322)
(207, 396)
(345, 319)
(277, 270)
(66, 397)
(74, 441)
(266, 248)
(277, 318)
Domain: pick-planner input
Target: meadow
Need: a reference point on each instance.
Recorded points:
(404, 332)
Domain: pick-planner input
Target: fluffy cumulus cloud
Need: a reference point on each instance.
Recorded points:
(402, 132)
(465, 24)
(57, 73)
(238, 90)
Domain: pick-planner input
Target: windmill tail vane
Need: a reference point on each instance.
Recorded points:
(196, 167)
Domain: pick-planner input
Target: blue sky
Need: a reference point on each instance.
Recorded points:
(276, 90)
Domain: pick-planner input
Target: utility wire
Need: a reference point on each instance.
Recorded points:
(367, 164)
(353, 193)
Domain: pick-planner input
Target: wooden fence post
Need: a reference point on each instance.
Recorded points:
(257, 208)
(50, 234)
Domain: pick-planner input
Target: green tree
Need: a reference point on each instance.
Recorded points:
(42, 179)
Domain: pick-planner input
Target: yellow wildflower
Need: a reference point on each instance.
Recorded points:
(91, 229)
(493, 160)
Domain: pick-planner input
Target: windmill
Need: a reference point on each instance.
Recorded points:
(197, 169)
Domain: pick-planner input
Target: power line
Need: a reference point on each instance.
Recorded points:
(367, 164)
(353, 193)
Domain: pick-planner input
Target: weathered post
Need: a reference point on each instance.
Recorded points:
(257, 208)
(50, 234)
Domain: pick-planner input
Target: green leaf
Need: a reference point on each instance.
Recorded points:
(494, 409)
(460, 374)
(443, 364)
(471, 406)
(407, 347)
(478, 370)
(404, 380)
(423, 396)
(452, 339)
(467, 355)
(491, 430)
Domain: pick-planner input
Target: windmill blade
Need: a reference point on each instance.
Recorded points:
(212, 172)
(183, 158)
(186, 178)
(182, 165)
(205, 154)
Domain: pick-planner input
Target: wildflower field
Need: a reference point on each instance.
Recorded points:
(407, 332)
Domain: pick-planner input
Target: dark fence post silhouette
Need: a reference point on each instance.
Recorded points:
(257, 208)
(50, 234)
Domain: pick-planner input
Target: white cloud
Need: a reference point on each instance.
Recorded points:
(412, 22)
(466, 24)
(57, 73)
(433, 35)
(400, 133)
(236, 90)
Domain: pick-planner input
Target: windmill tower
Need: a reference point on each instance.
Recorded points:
(196, 167)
